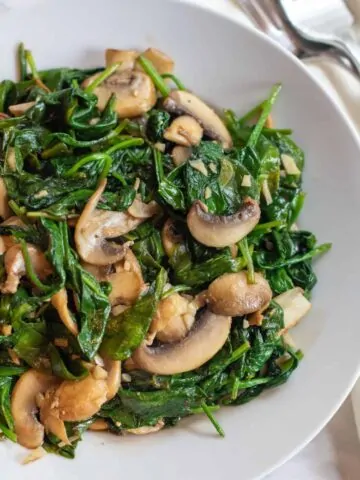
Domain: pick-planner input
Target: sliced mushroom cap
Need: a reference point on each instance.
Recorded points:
(19, 109)
(174, 318)
(95, 229)
(185, 131)
(5, 211)
(180, 154)
(113, 380)
(162, 62)
(125, 277)
(204, 340)
(222, 231)
(147, 429)
(134, 90)
(139, 209)
(231, 294)
(171, 239)
(183, 102)
(15, 266)
(75, 401)
(29, 431)
(60, 302)
(126, 57)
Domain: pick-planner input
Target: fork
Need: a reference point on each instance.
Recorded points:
(308, 28)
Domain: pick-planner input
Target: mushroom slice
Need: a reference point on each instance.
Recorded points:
(113, 380)
(171, 239)
(21, 108)
(60, 302)
(95, 229)
(180, 154)
(15, 266)
(183, 102)
(126, 57)
(204, 340)
(174, 318)
(75, 401)
(135, 93)
(231, 294)
(29, 431)
(147, 429)
(127, 281)
(139, 209)
(162, 62)
(99, 425)
(222, 231)
(185, 131)
(295, 306)
(5, 211)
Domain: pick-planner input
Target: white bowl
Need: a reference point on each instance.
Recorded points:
(232, 66)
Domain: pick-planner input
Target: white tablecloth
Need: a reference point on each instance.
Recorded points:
(335, 453)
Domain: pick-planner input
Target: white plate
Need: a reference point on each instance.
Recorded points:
(233, 66)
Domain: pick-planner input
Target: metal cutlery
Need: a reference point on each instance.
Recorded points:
(308, 28)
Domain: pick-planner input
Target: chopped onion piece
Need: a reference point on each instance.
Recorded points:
(290, 165)
(266, 192)
(295, 306)
(246, 181)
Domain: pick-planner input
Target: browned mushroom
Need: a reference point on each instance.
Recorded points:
(204, 340)
(134, 90)
(182, 102)
(29, 431)
(180, 154)
(19, 109)
(174, 318)
(126, 58)
(60, 303)
(171, 239)
(95, 230)
(185, 131)
(15, 266)
(125, 277)
(222, 231)
(162, 62)
(231, 294)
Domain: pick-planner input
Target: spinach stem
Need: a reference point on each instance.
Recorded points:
(266, 109)
(102, 77)
(132, 142)
(30, 272)
(245, 252)
(212, 419)
(22, 66)
(35, 74)
(235, 389)
(104, 157)
(175, 79)
(19, 211)
(155, 76)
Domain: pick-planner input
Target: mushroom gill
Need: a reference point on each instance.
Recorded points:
(95, 230)
(222, 231)
(181, 102)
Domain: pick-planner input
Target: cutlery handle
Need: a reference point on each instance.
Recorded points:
(350, 51)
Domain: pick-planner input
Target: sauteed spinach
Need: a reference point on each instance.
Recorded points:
(151, 265)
